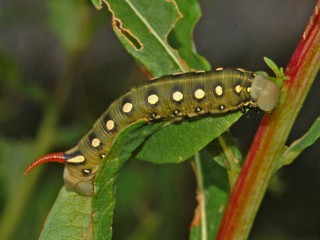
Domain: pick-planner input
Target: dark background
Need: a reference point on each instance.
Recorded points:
(156, 201)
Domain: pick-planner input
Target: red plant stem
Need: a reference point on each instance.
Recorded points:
(264, 156)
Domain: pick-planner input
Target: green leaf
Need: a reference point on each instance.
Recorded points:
(178, 142)
(226, 154)
(97, 3)
(181, 38)
(104, 197)
(271, 64)
(144, 34)
(212, 197)
(69, 218)
(143, 26)
(130, 139)
(299, 145)
(308, 139)
(279, 73)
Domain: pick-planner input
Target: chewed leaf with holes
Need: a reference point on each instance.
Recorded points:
(143, 27)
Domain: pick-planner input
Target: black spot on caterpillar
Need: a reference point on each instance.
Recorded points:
(165, 98)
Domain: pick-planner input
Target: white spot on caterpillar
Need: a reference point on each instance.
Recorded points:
(127, 107)
(219, 69)
(199, 94)
(110, 125)
(221, 107)
(95, 142)
(177, 96)
(86, 171)
(249, 89)
(155, 116)
(218, 90)
(76, 159)
(238, 89)
(176, 112)
(153, 99)
(198, 109)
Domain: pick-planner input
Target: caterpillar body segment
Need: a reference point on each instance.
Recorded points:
(165, 98)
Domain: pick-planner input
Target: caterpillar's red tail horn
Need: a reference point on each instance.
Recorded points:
(52, 157)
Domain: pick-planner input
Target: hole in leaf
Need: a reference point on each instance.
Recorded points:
(127, 34)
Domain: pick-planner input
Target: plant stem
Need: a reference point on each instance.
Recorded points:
(201, 191)
(232, 160)
(263, 158)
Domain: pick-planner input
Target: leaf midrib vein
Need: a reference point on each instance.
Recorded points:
(166, 47)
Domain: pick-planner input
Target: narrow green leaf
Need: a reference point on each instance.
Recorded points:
(271, 64)
(225, 152)
(180, 141)
(212, 197)
(181, 38)
(227, 155)
(69, 218)
(279, 74)
(104, 197)
(308, 139)
(299, 145)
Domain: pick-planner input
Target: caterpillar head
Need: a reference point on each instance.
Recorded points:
(264, 93)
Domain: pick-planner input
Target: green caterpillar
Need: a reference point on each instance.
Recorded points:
(165, 98)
